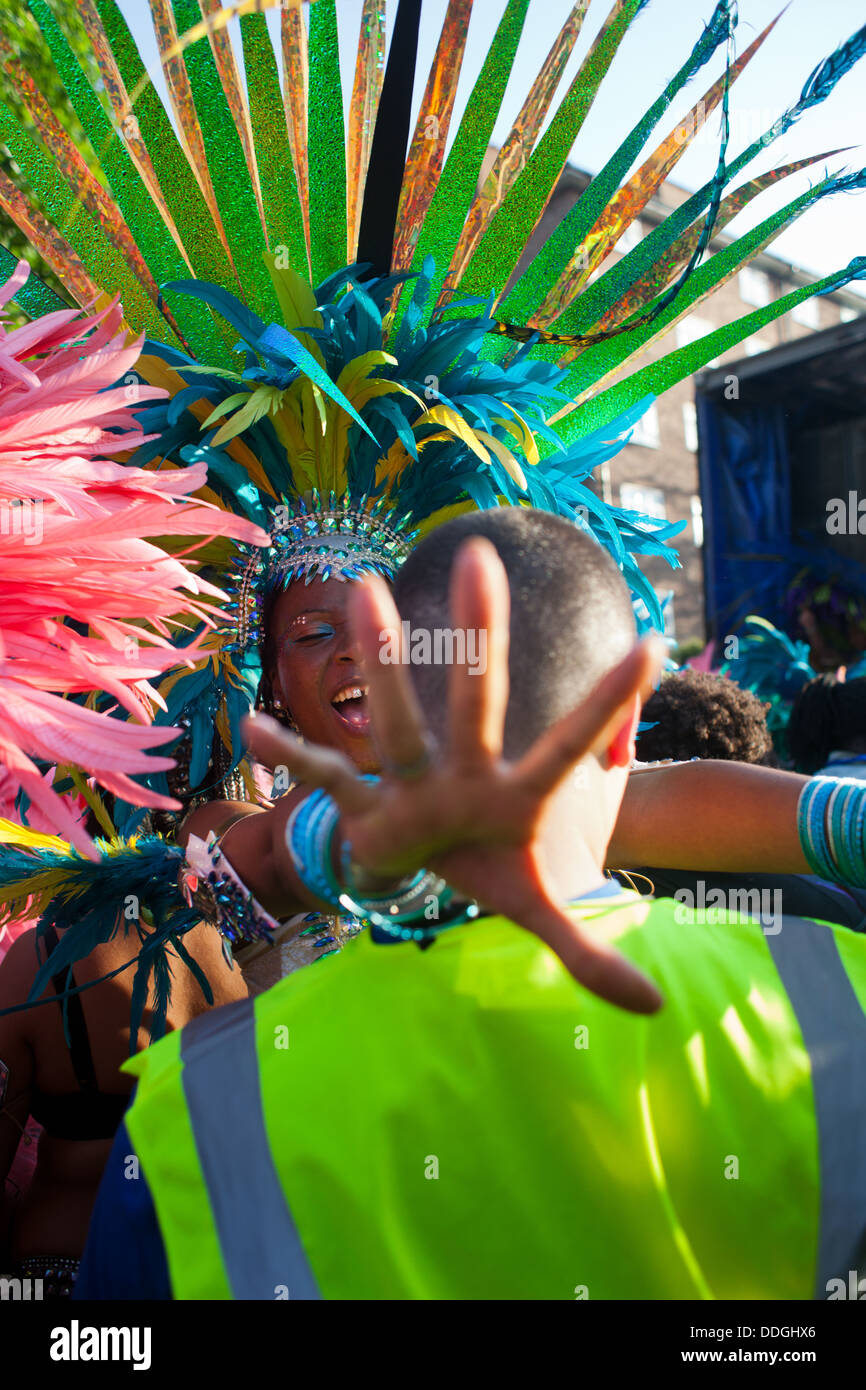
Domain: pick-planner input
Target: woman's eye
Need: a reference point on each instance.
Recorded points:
(315, 636)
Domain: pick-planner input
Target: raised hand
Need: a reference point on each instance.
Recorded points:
(461, 809)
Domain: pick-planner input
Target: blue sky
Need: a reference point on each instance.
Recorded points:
(823, 240)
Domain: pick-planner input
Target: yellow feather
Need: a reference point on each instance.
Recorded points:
(13, 834)
(521, 432)
(455, 424)
(361, 367)
(297, 302)
(505, 456)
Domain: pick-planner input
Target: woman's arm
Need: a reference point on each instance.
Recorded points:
(713, 815)
(253, 845)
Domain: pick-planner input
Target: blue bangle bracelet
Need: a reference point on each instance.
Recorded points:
(813, 803)
(831, 819)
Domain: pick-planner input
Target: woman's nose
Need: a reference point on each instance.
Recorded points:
(348, 649)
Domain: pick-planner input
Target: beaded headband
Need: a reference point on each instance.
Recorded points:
(313, 539)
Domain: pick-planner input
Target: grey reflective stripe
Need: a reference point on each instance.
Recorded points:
(260, 1244)
(834, 1030)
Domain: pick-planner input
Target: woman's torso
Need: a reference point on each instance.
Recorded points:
(52, 1218)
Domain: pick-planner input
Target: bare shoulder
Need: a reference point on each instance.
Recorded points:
(18, 968)
(17, 972)
(215, 816)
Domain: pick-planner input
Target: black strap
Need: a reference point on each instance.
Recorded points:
(384, 180)
(79, 1043)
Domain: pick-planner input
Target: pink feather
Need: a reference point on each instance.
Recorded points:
(74, 548)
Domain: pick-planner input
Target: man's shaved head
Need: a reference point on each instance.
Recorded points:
(571, 614)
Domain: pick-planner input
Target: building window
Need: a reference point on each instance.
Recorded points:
(646, 431)
(636, 497)
(807, 313)
(631, 237)
(755, 287)
(692, 328)
(753, 346)
(846, 314)
(670, 617)
(697, 520)
(690, 426)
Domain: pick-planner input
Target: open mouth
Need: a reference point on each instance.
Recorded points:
(350, 706)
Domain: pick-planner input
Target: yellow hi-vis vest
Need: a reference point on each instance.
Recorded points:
(467, 1122)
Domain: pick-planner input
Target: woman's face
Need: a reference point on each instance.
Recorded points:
(317, 673)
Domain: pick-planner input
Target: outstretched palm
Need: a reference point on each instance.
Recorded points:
(467, 813)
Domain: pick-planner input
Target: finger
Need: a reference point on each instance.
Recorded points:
(478, 686)
(269, 742)
(594, 964)
(552, 757)
(597, 966)
(399, 727)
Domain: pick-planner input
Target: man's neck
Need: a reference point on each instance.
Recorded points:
(575, 841)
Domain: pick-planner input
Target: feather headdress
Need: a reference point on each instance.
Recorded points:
(324, 297)
(86, 602)
(773, 666)
(338, 313)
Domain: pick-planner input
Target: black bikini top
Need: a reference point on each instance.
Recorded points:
(87, 1113)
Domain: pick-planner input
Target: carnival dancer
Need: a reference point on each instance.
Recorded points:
(510, 1135)
(328, 320)
(74, 551)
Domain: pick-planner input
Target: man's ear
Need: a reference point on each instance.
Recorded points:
(620, 750)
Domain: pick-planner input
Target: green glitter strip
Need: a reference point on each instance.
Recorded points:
(326, 144)
(599, 296)
(71, 218)
(553, 257)
(502, 245)
(151, 235)
(35, 298)
(658, 377)
(230, 176)
(458, 184)
(596, 361)
(282, 205)
(179, 188)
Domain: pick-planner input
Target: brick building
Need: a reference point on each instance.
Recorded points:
(658, 472)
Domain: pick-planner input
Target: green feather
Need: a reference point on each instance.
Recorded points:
(502, 244)
(458, 183)
(282, 205)
(227, 166)
(658, 377)
(150, 232)
(326, 145)
(181, 192)
(551, 260)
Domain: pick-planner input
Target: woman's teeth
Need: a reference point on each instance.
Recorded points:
(352, 692)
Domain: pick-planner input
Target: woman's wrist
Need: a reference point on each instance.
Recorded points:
(831, 822)
(321, 857)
